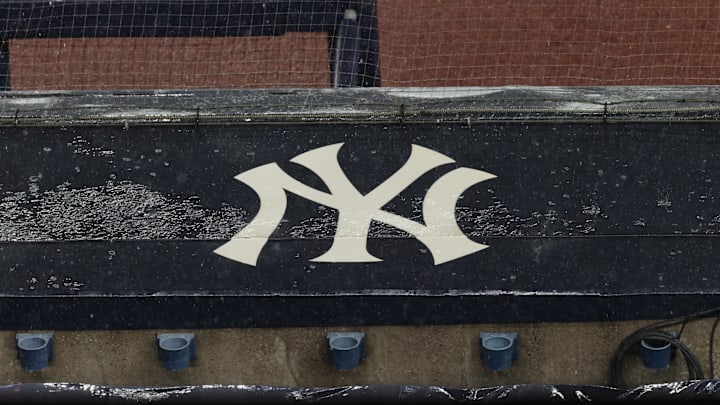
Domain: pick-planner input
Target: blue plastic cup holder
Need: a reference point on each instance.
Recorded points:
(176, 350)
(35, 350)
(655, 353)
(346, 349)
(498, 350)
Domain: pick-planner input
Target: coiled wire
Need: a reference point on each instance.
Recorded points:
(653, 332)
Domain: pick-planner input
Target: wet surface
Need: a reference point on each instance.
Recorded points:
(570, 209)
(691, 390)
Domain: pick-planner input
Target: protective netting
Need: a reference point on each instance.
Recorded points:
(158, 44)
(550, 42)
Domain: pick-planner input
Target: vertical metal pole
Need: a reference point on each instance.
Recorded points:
(347, 43)
(4, 65)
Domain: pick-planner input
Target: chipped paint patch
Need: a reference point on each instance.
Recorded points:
(115, 210)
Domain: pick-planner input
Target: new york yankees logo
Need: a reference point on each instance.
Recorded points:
(440, 233)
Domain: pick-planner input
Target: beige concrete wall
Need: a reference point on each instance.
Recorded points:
(572, 353)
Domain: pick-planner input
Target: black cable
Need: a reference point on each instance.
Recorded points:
(652, 331)
(712, 339)
(615, 378)
(682, 328)
(686, 318)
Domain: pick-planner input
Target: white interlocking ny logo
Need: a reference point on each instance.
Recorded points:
(440, 234)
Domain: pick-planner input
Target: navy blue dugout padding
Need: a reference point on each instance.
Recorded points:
(358, 55)
(127, 203)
